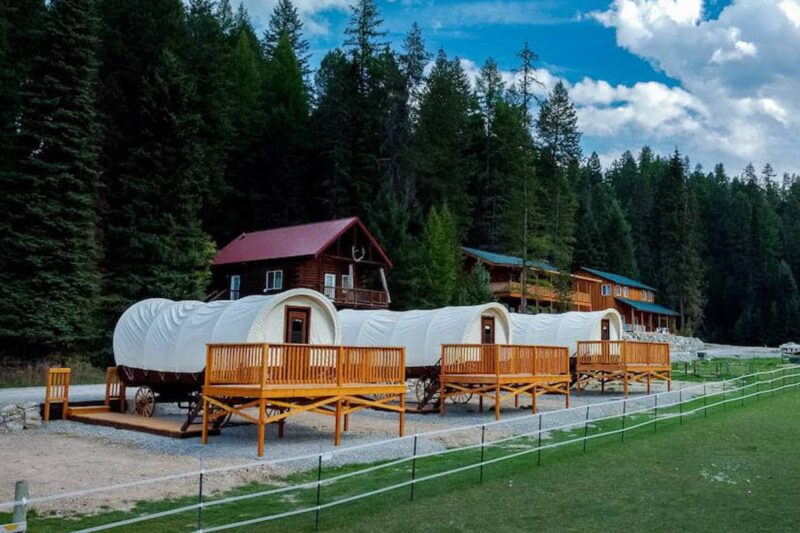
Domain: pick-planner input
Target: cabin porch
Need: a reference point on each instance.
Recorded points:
(283, 380)
(499, 371)
(626, 361)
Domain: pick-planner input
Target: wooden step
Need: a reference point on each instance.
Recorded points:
(86, 409)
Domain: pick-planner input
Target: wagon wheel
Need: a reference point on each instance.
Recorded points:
(421, 388)
(144, 403)
(461, 398)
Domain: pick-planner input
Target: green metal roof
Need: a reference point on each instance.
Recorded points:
(619, 279)
(508, 260)
(648, 307)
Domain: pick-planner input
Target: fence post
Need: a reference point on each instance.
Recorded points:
(680, 405)
(586, 428)
(705, 401)
(539, 452)
(20, 513)
(483, 439)
(624, 410)
(743, 386)
(200, 501)
(655, 413)
(414, 469)
(319, 490)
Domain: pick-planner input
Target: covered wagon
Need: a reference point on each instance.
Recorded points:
(160, 345)
(424, 332)
(566, 329)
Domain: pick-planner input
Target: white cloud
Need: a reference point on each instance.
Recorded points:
(738, 73)
(260, 11)
(791, 9)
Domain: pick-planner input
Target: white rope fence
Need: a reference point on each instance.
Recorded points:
(743, 385)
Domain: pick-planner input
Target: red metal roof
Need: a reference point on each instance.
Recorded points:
(292, 241)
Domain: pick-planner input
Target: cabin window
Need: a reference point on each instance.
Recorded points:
(329, 288)
(625, 291)
(618, 290)
(274, 280)
(235, 284)
(605, 290)
(347, 281)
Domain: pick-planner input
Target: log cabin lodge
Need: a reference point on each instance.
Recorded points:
(342, 260)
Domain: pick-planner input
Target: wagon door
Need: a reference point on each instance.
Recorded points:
(605, 330)
(487, 330)
(297, 325)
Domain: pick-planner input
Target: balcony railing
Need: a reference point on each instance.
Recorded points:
(538, 292)
(356, 297)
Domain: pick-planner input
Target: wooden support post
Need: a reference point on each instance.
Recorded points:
(669, 380)
(566, 401)
(516, 401)
(204, 439)
(497, 402)
(338, 426)
(346, 417)
(20, 513)
(625, 382)
(403, 414)
(648, 381)
(262, 406)
(533, 400)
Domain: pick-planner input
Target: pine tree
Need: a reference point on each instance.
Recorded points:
(447, 129)
(286, 21)
(681, 273)
(474, 287)
(280, 192)
(155, 237)
(364, 39)
(331, 130)
(442, 259)
(50, 248)
(557, 127)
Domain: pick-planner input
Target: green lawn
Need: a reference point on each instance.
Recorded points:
(737, 470)
(722, 368)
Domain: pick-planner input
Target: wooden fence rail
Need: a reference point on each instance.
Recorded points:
(622, 353)
(501, 359)
(284, 364)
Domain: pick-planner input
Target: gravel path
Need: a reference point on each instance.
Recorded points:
(77, 393)
(68, 456)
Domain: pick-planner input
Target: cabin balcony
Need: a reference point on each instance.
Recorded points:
(513, 289)
(355, 298)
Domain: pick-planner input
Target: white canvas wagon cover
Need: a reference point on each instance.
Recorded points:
(564, 329)
(167, 336)
(423, 332)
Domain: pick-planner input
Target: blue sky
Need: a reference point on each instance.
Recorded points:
(717, 79)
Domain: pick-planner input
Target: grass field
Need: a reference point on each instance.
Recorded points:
(722, 368)
(735, 470)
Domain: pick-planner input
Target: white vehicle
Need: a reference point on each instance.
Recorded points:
(790, 348)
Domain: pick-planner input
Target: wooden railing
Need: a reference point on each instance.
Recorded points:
(57, 390)
(285, 364)
(539, 292)
(593, 353)
(501, 359)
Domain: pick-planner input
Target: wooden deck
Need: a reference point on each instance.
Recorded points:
(282, 380)
(496, 372)
(626, 361)
(154, 425)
